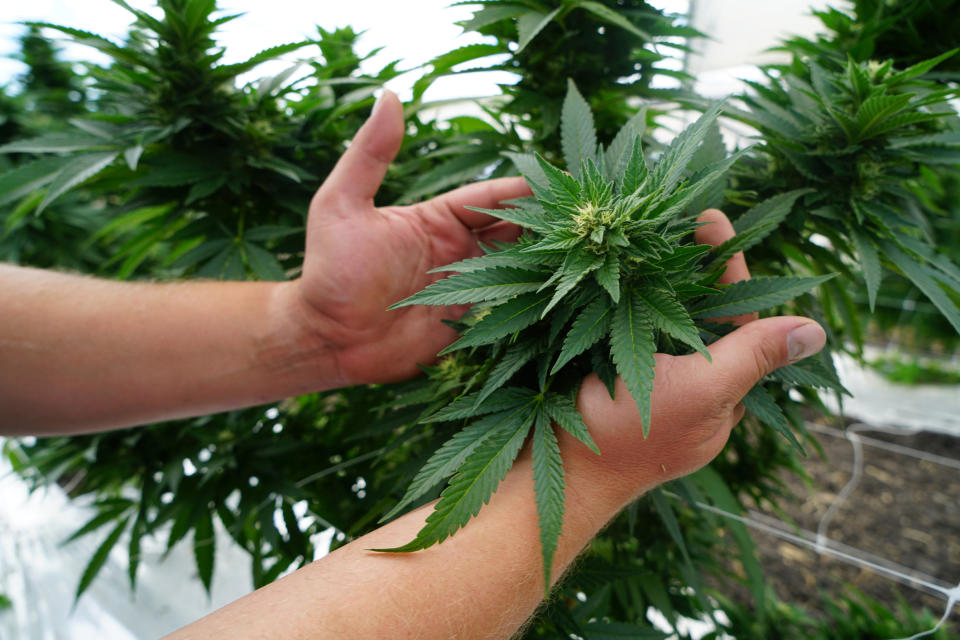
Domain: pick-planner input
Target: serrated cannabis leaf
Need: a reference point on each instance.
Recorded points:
(514, 315)
(475, 481)
(592, 324)
(757, 294)
(760, 403)
(99, 557)
(605, 273)
(472, 405)
(632, 348)
(565, 413)
(667, 314)
(448, 458)
(492, 284)
(577, 133)
(548, 487)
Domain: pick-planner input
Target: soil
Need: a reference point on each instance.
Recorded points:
(905, 511)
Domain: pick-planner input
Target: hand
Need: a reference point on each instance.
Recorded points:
(695, 403)
(360, 259)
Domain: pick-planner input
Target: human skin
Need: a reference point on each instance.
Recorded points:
(79, 354)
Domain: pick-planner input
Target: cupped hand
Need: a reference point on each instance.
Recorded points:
(695, 403)
(360, 259)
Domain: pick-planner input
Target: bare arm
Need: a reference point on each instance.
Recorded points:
(486, 580)
(79, 354)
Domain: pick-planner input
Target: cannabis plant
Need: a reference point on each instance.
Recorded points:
(604, 276)
(192, 174)
(615, 51)
(859, 134)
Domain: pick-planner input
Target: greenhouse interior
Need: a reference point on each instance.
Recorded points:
(159, 145)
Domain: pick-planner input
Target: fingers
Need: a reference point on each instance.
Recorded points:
(717, 231)
(359, 172)
(501, 231)
(744, 357)
(485, 195)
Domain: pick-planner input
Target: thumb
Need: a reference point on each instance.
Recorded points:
(361, 169)
(742, 358)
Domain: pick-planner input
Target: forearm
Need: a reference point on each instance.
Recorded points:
(80, 354)
(484, 582)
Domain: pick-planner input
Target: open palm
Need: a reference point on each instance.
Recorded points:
(360, 259)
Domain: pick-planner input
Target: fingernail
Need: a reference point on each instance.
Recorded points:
(380, 101)
(377, 104)
(804, 341)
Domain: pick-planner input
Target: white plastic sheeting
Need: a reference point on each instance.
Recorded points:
(39, 575)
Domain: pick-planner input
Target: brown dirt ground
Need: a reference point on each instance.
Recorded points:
(905, 510)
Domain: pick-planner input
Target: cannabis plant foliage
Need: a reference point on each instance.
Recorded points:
(207, 178)
(613, 50)
(604, 276)
(859, 134)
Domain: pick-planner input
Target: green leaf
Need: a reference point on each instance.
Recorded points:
(504, 319)
(757, 294)
(667, 314)
(54, 143)
(467, 53)
(263, 263)
(529, 168)
(620, 151)
(75, 172)
(467, 406)
(99, 558)
(599, 630)
(491, 284)
(491, 14)
(507, 258)
(232, 70)
(869, 263)
(133, 549)
(608, 275)
(205, 188)
(876, 110)
(475, 481)
(448, 458)
(712, 484)
(512, 361)
(758, 223)
(672, 166)
(564, 188)
(565, 413)
(669, 520)
(523, 216)
(809, 372)
(201, 252)
(204, 547)
(592, 324)
(548, 487)
(103, 517)
(454, 172)
(29, 177)
(760, 403)
(918, 69)
(927, 280)
(610, 16)
(270, 232)
(632, 348)
(578, 137)
(577, 265)
(530, 24)
(635, 173)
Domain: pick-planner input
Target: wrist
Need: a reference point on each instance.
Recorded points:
(596, 484)
(301, 349)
